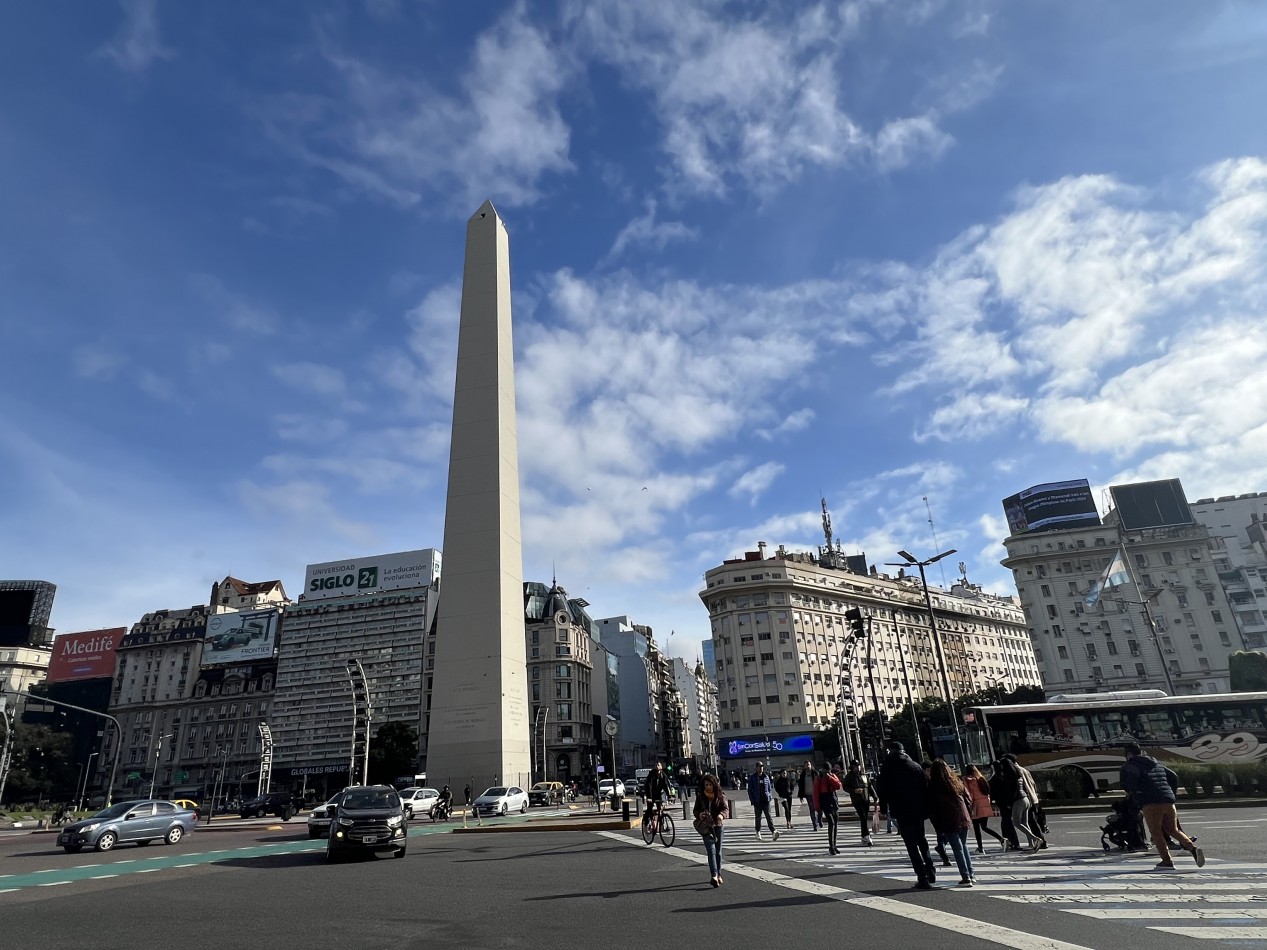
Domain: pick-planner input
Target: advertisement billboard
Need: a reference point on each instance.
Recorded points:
(1160, 504)
(240, 635)
(1050, 506)
(736, 748)
(81, 656)
(364, 575)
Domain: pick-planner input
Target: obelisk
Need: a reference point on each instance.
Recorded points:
(479, 700)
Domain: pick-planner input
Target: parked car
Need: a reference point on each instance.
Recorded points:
(502, 800)
(605, 788)
(419, 801)
(319, 817)
(546, 793)
(138, 822)
(282, 804)
(366, 819)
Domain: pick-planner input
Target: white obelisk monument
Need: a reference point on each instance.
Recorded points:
(479, 699)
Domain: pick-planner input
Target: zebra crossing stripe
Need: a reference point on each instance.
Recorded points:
(1175, 898)
(1154, 913)
(1217, 933)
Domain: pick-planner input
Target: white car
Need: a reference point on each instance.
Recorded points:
(419, 801)
(605, 788)
(502, 800)
(319, 818)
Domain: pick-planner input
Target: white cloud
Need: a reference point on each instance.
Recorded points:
(314, 378)
(137, 44)
(749, 94)
(754, 482)
(647, 232)
(398, 137)
(797, 421)
(96, 362)
(971, 416)
(234, 310)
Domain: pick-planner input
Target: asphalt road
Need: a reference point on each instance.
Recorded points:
(265, 884)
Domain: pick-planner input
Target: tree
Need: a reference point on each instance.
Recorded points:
(393, 752)
(1248, 671)
(41, 768)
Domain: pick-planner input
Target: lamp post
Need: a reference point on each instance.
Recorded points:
(913, 561)
(1152, 634)
(118, 747)
(157, 754)
(83, 792)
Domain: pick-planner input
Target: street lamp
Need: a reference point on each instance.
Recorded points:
(913, 561)
(157, 753)
(83, 793)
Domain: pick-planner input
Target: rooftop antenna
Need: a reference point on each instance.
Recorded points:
(963, 572)
(830, 555)
(936, 544)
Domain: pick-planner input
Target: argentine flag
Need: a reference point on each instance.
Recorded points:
(1114, 575)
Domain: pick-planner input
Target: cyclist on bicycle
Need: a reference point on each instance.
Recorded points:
(657, 789)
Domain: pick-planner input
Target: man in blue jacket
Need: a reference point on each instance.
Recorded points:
(761, 793)
(1152, 786)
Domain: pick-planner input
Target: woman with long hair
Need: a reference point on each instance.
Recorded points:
(948, 804)
(982, 808)
(711, 811)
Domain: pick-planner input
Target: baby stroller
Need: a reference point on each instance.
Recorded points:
(1124, 828)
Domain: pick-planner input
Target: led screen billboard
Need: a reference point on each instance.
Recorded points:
(1050, 506)
(240, 636)
(81, 656)
(365, 575)
(1159, 504)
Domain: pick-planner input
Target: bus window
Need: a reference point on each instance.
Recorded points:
(1153, 726)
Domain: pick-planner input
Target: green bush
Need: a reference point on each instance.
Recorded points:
(1189, 777)
(1067, 783)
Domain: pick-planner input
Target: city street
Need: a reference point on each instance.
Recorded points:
(268, 885)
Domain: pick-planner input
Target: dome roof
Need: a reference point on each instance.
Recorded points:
(558, 602)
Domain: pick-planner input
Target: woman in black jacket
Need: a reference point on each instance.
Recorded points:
(1004, 789)
(711, 811)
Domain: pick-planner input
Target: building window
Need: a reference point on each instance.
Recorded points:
(562, 672)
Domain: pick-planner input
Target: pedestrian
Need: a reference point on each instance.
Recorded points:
(808, 774)
(761, 793)
(467, 791)
(1004, 789)
(861, 797)
(783, 787)
(826, 786)
(904, 791)
(941, 845)
(1152, 786)
(949, 804)
(711, 811)
(982, 809)
(1027, 798)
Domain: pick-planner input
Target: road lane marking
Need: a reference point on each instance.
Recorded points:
(1176, 898)
(1147, 913)
(1217, 933)
(943, 920)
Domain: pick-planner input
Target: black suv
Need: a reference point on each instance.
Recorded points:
(366, 819)
(282, 804)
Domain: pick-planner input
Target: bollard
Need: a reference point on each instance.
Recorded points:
(624, 810)
(684, 813)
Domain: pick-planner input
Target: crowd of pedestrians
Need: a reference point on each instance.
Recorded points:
(906, 794)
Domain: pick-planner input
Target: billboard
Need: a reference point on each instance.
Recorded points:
(365, 575)
(1050, 506)
(1159, 504)
(81, 656)
(240, 635)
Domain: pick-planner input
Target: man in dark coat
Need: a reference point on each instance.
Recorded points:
(1152, 786)
(904, 796)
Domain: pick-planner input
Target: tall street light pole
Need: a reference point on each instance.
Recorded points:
(158, 753)
(913, 561)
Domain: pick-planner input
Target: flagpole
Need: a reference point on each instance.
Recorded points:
(1143, 602)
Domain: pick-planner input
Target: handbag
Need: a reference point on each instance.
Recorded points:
(704, 824)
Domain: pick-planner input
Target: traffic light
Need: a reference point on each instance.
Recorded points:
(856, 622)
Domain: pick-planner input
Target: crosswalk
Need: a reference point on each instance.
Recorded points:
(1225, 900)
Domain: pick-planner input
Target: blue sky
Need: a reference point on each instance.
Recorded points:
(761, 253)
